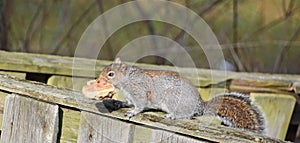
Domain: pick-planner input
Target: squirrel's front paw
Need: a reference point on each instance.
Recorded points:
(131, 113)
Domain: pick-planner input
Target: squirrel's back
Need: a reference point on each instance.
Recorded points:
(236, 110)
(165, 90)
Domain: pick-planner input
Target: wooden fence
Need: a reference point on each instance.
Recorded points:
(39, 112)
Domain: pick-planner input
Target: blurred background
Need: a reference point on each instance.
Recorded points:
(255, 35)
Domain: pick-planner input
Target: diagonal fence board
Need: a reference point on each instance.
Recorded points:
(159, 136)
(94, 129)
(76, 100)
(27, 120)
(47, 93)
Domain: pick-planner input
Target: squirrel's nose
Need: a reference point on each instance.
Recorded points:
(101, 81)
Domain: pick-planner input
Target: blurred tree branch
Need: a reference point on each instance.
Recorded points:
(73, 26)
(287, 13)
(283, 52)
(3, 32)
(207, 8)
(29, 30)
(4, 9)
(60, 24)
(234, 52)
(109, 47)
(201, 12)
(41, 26)
(151, 31)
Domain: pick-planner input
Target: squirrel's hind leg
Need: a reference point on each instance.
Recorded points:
(175, 113)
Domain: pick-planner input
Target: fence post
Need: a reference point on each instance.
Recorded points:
(28, 120)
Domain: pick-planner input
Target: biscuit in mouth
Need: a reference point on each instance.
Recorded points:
(98, 90)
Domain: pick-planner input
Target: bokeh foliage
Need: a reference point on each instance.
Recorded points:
(256, 35)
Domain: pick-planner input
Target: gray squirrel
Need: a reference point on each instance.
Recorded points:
(175, 95)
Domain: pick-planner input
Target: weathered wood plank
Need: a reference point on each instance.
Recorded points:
(249, 85)
(278, 113)
(29, 121)
(142, 134)
(3, 95)
(67, 82)
(47, 93)
(45, 64)
(2, 103)
(75, 99)
(69, 66)
(20, 75)
(70, 125)
(94, 129)
(160, 136)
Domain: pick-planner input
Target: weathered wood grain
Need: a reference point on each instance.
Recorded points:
(45, 64)
(75, 99)
(81, 67)
(2, 103)
(27, 120)
(160, 136)
(94, 129)
(70, 125)
(277, 112)
(3, 95)
(250, 85)
(67, 82)
(45, 92)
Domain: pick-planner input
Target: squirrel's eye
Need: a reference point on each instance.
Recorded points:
(111, 74)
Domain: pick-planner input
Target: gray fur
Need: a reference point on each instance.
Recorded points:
(168, 92)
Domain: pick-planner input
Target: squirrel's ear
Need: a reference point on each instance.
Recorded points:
(123, 69)
(117, 61)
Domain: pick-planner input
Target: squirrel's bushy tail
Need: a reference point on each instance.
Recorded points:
(236, 110)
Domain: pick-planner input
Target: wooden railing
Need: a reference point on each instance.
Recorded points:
(50, 112)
